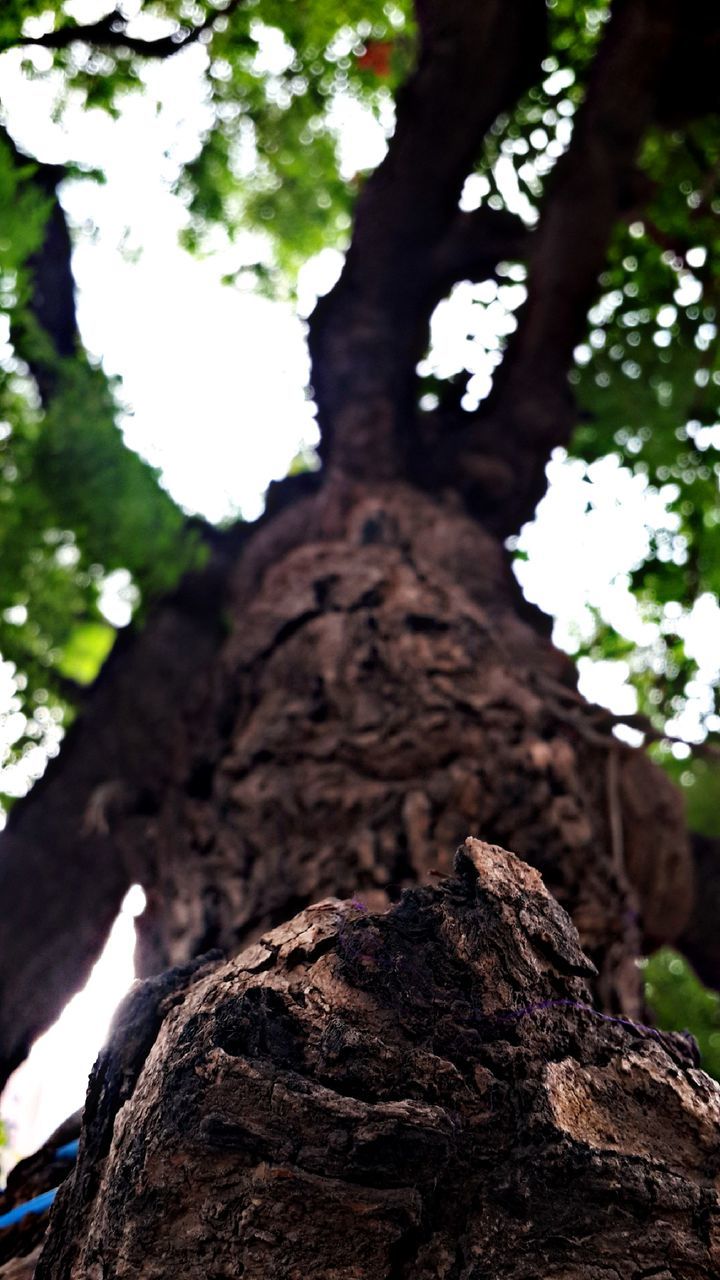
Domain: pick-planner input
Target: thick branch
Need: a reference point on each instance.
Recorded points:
(111, 32)
(62, 872)
(503, 452)
(473, 246)
(367, 335)
(85, 832)
(51, 300)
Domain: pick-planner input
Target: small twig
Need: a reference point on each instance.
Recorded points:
(111, 32)
(594, 723)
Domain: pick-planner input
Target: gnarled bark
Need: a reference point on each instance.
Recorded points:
(424, 1093)
(377, 698)
(378, 684)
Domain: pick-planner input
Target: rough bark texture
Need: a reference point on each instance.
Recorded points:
(378, 698)
(351, 618)
(425, 1093)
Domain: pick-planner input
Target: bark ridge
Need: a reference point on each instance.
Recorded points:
(425, 1092)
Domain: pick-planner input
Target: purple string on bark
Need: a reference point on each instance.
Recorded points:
(512, 1015)
(507, 1015)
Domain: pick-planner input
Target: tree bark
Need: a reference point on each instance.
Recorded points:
(368, 334)
(424, 1093)
(451, 1088)
(378, 683)
(700, 941)
(379, 687)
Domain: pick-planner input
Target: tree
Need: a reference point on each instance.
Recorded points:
(327, 703)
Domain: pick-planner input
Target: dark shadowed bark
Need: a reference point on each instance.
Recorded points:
(700, 941)
(426, 1093)
(63, 868)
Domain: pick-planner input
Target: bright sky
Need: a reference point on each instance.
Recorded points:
(215, 380)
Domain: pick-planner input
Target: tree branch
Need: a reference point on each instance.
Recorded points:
(499, 458)
(110, 32)
(368, 333)
(51, 300)
(74, 845)
(62, 871)
(473, 246)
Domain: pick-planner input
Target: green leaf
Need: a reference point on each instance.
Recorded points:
(87, 647)
(679, 1002)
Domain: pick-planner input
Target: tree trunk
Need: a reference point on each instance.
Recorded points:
(378, 698)
(441, 1082)
(423, 1093)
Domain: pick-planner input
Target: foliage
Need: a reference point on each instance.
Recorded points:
(649, 382)
(75, 503)
(679, 1002)
(274, 77)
